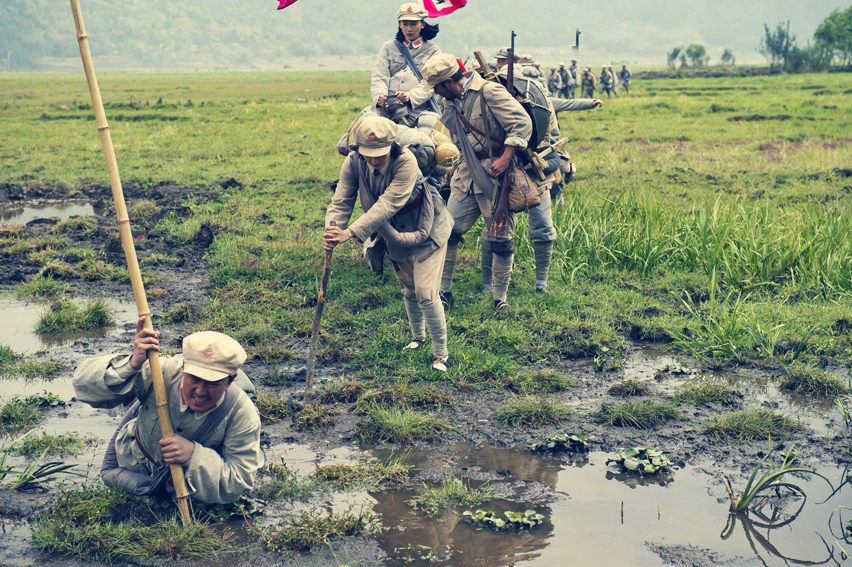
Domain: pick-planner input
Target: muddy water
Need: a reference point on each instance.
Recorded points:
(600, 517)
(20, 318)
(59, 209)
(593, 515)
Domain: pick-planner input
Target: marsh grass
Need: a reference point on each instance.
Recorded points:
(370, 472)
(16, 365)
(66, 316)
(814, 382)
(543, 381)
(41, 289)
(47, 444)
(402, 395)
(531, 412)
(702, 391)
(732, 242)
(452, 493)
(19, 414)
(94, 524)
(400, 425)
(342, 391)
(313, 417)
(642, 414)
(271, 407)
(312, 528)
(629, 387)
(750, 424)
(280, 482)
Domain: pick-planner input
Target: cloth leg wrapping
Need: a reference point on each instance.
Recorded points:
(543, 253)
(502, 273)
(415, 317)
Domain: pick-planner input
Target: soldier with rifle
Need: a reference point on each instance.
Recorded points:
(489, 126)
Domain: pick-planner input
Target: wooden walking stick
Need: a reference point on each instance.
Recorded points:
(181, 491)
(312, 348)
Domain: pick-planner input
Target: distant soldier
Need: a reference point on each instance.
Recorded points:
(572, 79)
(625, 76)
(554, 82)
(566, 89)
(528, 67)
(614, 77)
(588, 83)
(605, 80)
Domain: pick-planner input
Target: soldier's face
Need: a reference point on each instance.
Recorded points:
(201, 395)
(377, 162)
(411, 29)
(448, 89)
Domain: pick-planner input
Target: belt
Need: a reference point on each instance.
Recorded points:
(482, 154)
(144, 452)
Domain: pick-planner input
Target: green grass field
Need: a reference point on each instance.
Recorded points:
(712, 213)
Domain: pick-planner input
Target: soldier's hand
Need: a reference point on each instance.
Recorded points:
(176, 449)
(143, 341)
(381, 100)
(333, 235)
(597, 103)
(500, 164)
(402, 97)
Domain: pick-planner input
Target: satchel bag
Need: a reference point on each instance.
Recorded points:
(524, 193)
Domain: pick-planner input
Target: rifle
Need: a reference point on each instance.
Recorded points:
(498, 227)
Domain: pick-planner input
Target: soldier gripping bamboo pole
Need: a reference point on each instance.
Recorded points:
(181, 491)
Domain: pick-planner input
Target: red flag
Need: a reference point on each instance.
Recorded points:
(284, 3)
(435, 8)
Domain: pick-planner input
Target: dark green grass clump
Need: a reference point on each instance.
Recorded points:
(629, 387)
(750, 424)
(95, 524)
(401, 425)
(312, 528)
(641, 414)
(701, 392)
(531, 412)
(809, 381)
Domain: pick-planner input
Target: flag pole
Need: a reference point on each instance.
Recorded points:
(181, 491)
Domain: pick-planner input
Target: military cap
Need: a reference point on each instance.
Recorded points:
(374, 135)
(212, 356)
(410, 12)
(439, 68)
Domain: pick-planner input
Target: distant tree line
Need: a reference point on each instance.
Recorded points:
(832, 45)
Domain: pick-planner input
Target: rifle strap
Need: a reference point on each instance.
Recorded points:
(433, 106)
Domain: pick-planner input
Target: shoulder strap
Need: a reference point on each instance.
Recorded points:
(407, 56)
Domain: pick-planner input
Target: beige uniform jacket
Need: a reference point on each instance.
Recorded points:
(508, 123)
(392, 73)
(218, 472)
(393, 187)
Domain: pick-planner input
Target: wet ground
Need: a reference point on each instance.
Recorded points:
(593, 514)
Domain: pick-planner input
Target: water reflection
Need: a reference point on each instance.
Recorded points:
(21, 317)
(452, 535)
(60, 209)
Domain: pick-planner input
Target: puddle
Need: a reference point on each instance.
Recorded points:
(593, 516)
(48, 210)
(20, 318)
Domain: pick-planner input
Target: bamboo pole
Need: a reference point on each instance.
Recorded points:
(312, 346)
(181, 491)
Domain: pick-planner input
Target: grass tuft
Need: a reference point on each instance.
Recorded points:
(452, 493)
(641, 414)
(400, 425)
(629, 387)
(312, 528)
(809, 381)
(531, 412)
(750, 424)
(700, 392)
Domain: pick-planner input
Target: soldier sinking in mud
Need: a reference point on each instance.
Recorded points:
(217, 427)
